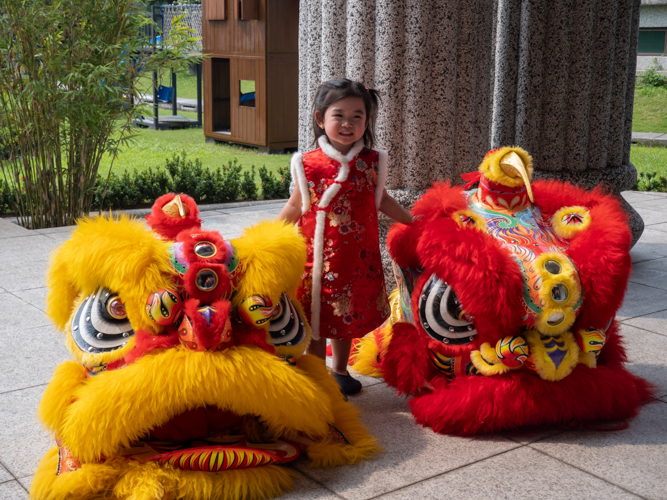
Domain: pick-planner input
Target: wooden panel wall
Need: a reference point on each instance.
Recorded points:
(247, 9)
(283, 97)
(283, 72)
(249, 124)
(282, 26)
(264, 50)
(235, 37)
(215, 9)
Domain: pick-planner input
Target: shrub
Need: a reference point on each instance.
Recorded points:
(117, 192)
(68, 73)
(153, 184)
(6, 197)
(651, 78)
(182, 175)
(248, 188)
(188, 176)
(228, 181)
(273, 187)
(651, 181)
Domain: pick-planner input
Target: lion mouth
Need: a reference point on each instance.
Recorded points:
(208, 439)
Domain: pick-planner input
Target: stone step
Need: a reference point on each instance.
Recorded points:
(649, 139)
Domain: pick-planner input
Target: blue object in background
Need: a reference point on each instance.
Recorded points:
(250, 96)
(165, 94)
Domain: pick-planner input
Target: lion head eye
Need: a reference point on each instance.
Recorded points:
(116, 308)
(442, 316)
(206, 280)
(286, 327)
(100, 323)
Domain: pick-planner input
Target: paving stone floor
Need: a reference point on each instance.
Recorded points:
(417, 463)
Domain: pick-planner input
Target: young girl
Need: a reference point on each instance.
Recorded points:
(339, 188)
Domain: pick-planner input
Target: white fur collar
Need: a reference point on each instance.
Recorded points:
(334, 154)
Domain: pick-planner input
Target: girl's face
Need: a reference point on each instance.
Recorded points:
(344, 122)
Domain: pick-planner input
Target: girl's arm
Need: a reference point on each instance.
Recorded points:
(394, 210)
(291, 212)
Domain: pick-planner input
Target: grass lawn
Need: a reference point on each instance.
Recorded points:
(151, 148)
(649, 115)
(650, 109)
(649, 159)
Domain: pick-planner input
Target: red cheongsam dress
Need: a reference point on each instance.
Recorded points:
(342, 290)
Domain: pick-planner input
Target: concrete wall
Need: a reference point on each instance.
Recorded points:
(645, 62)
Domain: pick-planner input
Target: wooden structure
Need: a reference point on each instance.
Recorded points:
(251, 72)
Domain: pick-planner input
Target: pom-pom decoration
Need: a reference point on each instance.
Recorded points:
(569, 221)
(164, 306)
(173, 213)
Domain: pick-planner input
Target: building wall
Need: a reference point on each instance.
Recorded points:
(653, 16)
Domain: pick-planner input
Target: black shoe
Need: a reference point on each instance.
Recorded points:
(347, 384)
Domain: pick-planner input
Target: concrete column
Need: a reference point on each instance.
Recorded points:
(432, 61)
(460, 77)
(565, 75)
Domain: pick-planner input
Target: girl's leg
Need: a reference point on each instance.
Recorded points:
(318, 348)
(341, 353)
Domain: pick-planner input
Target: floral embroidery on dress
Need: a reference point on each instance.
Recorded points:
(353, 297)
(342, 305)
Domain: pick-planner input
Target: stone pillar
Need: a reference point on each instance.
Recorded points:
(433, 64)
(460, 77)
(431, 60)
(564, 89)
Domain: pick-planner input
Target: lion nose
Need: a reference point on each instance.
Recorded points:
(206, 327)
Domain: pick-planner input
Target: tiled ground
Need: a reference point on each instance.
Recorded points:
(417, 463)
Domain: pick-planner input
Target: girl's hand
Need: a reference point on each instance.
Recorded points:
(291, 212)
(415, 218)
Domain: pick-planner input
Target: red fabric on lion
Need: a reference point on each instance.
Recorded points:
(488, 278)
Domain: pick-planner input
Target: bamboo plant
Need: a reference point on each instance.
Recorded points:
(68, 91)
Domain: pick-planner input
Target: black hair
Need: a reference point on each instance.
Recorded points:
(332, 91)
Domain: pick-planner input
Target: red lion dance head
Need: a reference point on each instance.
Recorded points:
(504, 313)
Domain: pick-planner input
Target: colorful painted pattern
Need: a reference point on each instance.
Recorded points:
(164, 307)
(66, 461)
(256, 310)
(405, 281)
(591, 340)
(527, 235)
(512, 351)
(573, 219)
(221, 458)
(451, 366)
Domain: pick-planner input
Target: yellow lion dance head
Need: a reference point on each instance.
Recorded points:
(189, 378)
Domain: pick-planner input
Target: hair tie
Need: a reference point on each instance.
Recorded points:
(367, 89)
